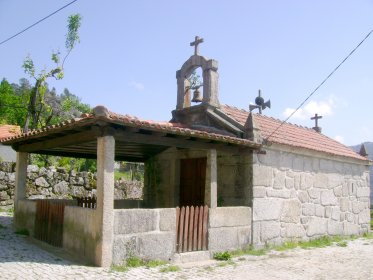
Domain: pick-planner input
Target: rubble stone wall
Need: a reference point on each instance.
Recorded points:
(57, 182)
(303, 197)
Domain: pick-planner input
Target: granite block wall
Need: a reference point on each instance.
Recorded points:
(303, 197)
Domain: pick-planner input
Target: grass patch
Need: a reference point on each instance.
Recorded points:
(368, 235)
(119, 268)
(170, 268)
(133, 262)
(342, 244)
(22, 231)
(222, 256)
(155, 263)
(286, 246)
(249, 250)
(225, 263)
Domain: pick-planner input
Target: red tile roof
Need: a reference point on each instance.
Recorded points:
(9, 130)
(127, 120)
(292, 135)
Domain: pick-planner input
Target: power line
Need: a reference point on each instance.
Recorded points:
(319, 86)
(27, 28)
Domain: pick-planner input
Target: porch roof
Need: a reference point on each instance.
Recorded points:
(136, 139)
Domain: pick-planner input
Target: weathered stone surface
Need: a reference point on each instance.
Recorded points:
(364, 217)
(343, 204)
(350, 229)
(61, 188)
(317, 226)
(270, 230)
(41, 182)
(33, 168)
(336, 214)
(4, 195)
(79, 181)
(289, 183)
(363, 192)
(303, 196)
(167, 218)
(306, 181)
(3, 187)
(131, 221)
(338, 191)
(321, 181)
(308, 209)
(262, 176)
(278, 193)
(266, 209)
(328, 198)
(279, 180)
(319, 211)
(228, 238)
(12, 177)
(259, 192)
(229, 216)
(294, 231)
(291, 211)
(328, 211)
(158, 246)
(335, 228)
(350, 217)
(314, 193)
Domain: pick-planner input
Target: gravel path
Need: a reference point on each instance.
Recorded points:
(22, 259)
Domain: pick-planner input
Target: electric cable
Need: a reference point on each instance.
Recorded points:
(44, 18)
(318, 87)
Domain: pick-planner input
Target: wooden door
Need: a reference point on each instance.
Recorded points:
(192, 181)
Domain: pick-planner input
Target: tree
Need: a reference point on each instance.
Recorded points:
(37, 104)
(13, 102)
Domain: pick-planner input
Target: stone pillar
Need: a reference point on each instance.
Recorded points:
(105, 199)
(183, 94)
(21, 176)
(211, 196)
(211, 84)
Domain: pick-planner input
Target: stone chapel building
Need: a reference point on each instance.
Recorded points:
(262, 183)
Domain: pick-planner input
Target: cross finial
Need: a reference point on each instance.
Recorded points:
(316, 118)
(195, 43)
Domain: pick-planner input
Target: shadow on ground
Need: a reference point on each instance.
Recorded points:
(21, 248)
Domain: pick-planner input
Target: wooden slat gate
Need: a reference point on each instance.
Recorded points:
(49, 222)
(87, 202)
(191, 228)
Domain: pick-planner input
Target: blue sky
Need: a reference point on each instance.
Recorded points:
(130, 50)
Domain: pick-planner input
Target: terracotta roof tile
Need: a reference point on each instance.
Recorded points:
(166, 127)
(292, 135)
(9, 131)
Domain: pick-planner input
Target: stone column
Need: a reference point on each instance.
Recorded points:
(105, 199)
(21, 176)
(211, 179)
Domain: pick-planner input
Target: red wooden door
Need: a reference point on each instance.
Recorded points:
(192, 181)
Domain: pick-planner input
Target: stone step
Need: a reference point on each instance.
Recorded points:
(189, 257)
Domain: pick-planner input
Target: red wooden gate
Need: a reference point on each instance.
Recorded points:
(191, 228)
(49, 222)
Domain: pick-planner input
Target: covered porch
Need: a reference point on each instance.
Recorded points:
(184, 168)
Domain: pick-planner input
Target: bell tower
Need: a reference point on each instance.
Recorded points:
(210, 76)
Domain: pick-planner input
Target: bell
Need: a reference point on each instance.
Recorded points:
(197, 96)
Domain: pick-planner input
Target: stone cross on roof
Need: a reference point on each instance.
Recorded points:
(195, 43)
(316, 118)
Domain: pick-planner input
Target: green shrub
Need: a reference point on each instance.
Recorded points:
(222, 256)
